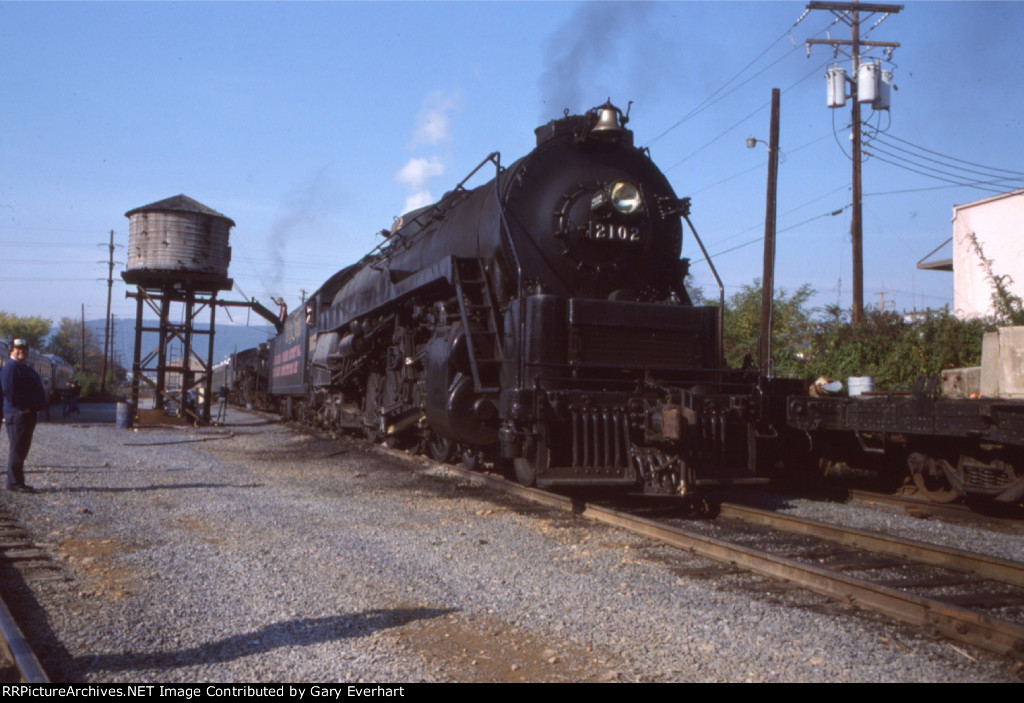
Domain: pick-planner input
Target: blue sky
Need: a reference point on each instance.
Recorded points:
(312, 125)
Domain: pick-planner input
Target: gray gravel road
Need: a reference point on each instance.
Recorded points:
(264, 554)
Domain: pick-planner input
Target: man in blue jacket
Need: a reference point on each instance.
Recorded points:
(24, 396)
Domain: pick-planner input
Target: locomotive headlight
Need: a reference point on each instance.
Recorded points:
(620, 197)
(625, 197)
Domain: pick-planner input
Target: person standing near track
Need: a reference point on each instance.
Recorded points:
(222, 404)
(24, 396)
(74, 391)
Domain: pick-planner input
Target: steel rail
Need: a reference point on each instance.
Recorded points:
(981, 565)
(18, 649)
(950, 621)
(949, 511)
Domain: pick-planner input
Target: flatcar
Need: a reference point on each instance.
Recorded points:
(948, 448)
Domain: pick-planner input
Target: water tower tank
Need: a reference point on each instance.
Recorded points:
(178, 239)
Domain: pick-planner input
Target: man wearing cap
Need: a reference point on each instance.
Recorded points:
(24, 396)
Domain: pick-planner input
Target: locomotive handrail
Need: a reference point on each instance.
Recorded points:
(520, 352)
(721, 292)
(382, 248)
(494, 157)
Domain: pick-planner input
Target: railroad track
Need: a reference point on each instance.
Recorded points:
(1008, 519)
(965, 597)
(19, 663)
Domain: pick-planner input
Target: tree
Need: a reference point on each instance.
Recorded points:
(31, 329)
(66, 343)
(695, 292)
(791, 328)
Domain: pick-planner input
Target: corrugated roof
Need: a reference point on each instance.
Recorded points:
(179, 203)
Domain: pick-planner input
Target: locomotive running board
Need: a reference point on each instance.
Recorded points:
(595, 482)
(741, 481)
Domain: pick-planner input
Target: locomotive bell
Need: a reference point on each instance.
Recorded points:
(608, 126)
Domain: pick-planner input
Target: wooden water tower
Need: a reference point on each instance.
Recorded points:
(178, 258)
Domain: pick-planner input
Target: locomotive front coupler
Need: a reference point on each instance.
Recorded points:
(665, 419)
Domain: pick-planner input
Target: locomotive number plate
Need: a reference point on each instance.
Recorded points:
(607, 231)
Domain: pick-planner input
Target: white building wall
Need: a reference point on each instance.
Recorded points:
(998, 225)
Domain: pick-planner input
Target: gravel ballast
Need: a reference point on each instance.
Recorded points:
(256, 552)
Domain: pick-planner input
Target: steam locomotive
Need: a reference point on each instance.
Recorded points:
(539, 321)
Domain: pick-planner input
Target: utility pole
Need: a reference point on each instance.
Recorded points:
(106, 333)
(884, 304)
(768, 276)
(850, 13)
(83, 337)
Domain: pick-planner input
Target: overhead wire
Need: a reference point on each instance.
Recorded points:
(953, 158)
(756, 166)
(778, 231)
(959, 173)
(789, 212)
(832, 213)
(714, 97)
(913, 190)
(979, 185)
(708, 102)
(835, 134)
(739, 122)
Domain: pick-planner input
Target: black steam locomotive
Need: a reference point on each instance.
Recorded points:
(539, 321)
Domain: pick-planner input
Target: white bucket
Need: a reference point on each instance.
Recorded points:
(859, 385)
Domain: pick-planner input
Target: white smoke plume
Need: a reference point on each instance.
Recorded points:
(433, 127)
(415, 174)
(433, 123)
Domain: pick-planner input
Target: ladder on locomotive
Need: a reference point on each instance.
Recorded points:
(480, 321)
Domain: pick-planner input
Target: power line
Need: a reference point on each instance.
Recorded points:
(756, 166)
(784, 229)
(913, 190)
(789, 212)
(741, 121)
(952, 158)
(708, 102)
(62, 245)
(711, 99)
(979, 185)
(912, 156)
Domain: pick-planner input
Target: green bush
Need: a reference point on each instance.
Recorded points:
(791, 328)
(895, 349)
